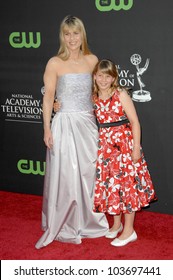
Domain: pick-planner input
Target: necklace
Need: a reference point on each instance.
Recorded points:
(75, 62)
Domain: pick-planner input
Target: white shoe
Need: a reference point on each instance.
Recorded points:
(118, 242)
(113, 234)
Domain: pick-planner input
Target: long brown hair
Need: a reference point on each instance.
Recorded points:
(72, 22)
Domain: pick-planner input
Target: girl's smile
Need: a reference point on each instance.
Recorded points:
(104, 81)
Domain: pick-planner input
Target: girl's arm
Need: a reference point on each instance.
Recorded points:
(130, 111)
(56, 105)
(50, 78)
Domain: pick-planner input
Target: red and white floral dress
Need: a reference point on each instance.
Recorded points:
(121, 185)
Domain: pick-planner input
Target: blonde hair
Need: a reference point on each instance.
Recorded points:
(72, 22)
(107, 67)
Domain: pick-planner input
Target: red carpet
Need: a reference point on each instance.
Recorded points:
(20, 219)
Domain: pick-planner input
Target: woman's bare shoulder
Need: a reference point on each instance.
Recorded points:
(92, 57)
(54, 64)
(92, 60)
(54, 60)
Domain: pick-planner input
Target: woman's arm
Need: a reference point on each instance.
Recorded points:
(50, 79)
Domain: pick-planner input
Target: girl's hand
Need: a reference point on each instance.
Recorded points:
(48, 139)
(136, 154)
(56, 106)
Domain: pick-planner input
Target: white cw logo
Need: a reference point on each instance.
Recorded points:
(116, 5)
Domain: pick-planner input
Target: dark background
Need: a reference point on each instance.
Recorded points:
(145, 29)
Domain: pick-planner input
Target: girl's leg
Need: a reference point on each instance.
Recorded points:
(128, 226)
(117, 223)
(116, 228)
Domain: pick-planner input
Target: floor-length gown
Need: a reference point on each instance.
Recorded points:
(67, 214)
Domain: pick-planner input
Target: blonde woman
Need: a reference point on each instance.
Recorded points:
(71, 142)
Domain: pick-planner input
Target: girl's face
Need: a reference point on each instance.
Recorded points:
(104, 81)
(72, 39)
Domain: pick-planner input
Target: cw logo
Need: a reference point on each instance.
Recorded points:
(20, 40)
(30, 167)
(109, 5)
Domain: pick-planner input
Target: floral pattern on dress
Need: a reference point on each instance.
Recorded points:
(121, 186)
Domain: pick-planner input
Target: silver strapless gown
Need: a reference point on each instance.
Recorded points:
(67, 214)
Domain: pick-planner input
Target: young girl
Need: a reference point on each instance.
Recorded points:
(123, 182)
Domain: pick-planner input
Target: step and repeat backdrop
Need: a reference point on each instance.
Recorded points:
(135, 34)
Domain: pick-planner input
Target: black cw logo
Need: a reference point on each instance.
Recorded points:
(24, 40)
(116, 5)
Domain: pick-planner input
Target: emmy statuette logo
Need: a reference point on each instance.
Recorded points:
(140, 95)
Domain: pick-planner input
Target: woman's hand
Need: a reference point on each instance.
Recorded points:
(48, 139)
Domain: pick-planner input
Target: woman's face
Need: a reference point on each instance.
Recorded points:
(104, 81)
(72, 39)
